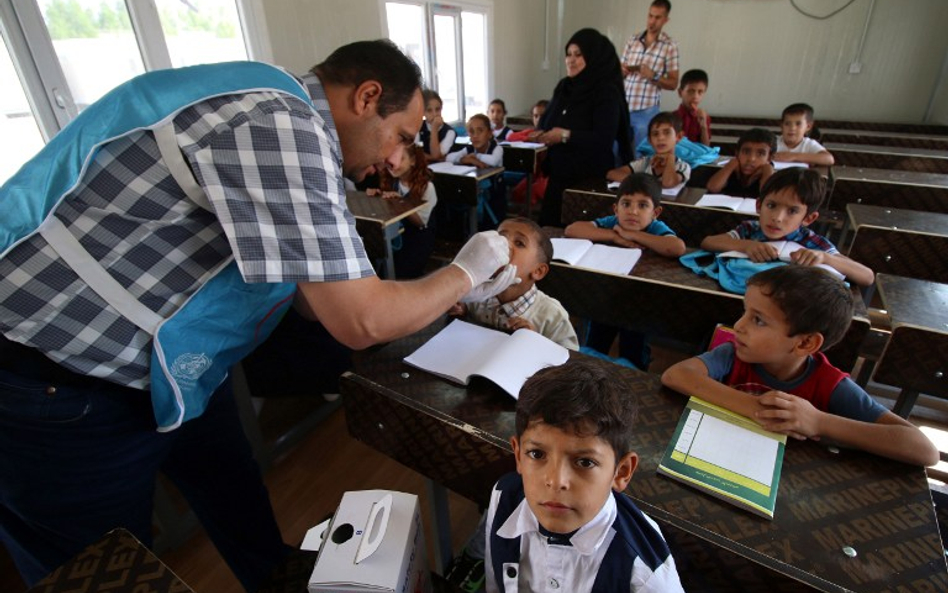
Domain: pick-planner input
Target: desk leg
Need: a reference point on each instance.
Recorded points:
(441, 524)
(391, 232)
(903, 406)
(529, 197)
(471, 222)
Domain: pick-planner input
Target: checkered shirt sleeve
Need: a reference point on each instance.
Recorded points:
(662, 57)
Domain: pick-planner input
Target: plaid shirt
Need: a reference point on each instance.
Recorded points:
(271, 167)
(662, 57)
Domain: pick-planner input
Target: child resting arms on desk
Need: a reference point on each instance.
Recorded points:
(745, 174)
(791, 315)
(523, 305)
(664, 132)
(562, 520)
(790, 204)
(634, 224)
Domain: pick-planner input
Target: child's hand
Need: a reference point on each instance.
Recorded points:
(373, 191)
(391, 195)
(785, 157)
(516, 323)
(702, 116)
(658, 162)
(789, 414)
(808, 257)
(624, 238)
(457, 310)
(435, 124)
(759, 252)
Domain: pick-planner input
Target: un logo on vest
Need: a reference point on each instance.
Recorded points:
(190, 366)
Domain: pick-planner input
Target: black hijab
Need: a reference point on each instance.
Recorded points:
(602, 74)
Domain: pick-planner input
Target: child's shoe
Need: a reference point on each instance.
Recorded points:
(466, 572)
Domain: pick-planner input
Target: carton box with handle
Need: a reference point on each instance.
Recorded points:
(374, 543)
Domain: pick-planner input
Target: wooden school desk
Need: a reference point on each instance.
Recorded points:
(836, 124)
(463, 190)
(117, 563)
(523, 157)
(591, 199)
(896, 189)
(839, 135)
(662, 297)
(458, 437)
(900, 242)
(377, 223)
(915, 358)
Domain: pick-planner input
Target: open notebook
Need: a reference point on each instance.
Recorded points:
(784, 249)
(452, 169)
(462, 350)
(596, 256)
(726, 455)
(748, 205)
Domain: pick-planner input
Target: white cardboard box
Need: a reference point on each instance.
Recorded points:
(374, 543)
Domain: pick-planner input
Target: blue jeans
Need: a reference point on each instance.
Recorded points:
(80, 457)
(638, 124)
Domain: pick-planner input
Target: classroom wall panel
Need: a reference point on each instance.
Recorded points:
(762, 54)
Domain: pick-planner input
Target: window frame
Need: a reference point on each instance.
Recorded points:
(40, 73)
(452, 8)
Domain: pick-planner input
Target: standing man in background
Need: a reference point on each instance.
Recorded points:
(649, 65)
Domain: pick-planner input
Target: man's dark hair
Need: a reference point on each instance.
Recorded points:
(543, 239)
(692, 77)
(758, 135)
(797, 109)
(665, 117)
(378, 60)
(809, 186)
(641, 183)
(663, 4)
(811, 299)
(584, 397)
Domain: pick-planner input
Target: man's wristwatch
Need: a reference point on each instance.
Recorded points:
(564, 136)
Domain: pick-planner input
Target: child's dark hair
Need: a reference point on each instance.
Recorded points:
(641, 183)
(582, 397)
(809, 186)
(812, 300)
(692, 77)
(481, 118)
(499, 102)
(758, 135)
(429, 94)
(663, 4)
(543, 239)
(417, 178)
(665, 117)
(797, 109)
(544, 103)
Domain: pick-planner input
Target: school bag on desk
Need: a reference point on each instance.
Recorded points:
(731, 273)
(693, 153)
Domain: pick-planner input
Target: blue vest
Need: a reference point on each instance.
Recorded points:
(194, 348)
(635, 538)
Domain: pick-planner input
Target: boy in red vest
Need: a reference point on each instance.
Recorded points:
(776, 374)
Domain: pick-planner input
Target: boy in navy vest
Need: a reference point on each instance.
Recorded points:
(562, 521)
(791, 314)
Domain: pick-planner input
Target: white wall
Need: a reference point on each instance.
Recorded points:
(762, 55)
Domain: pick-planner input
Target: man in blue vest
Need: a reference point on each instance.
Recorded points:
(153, 243)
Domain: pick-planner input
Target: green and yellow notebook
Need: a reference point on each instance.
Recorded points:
(726, 455)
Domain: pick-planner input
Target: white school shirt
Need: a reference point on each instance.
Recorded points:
(494, 158)
(430, 197)
(806, 146)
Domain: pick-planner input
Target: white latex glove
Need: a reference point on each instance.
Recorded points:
(482, 255)
(494, 286)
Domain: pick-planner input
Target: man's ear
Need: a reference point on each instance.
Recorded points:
(540, 272)
(810, 218)
(808, 344)
(367, 97)
(515, 443)
(624, 470)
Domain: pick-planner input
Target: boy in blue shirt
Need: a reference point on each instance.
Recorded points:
(664, 132)
(791, 315)
(634, 224)
(790, 204)
(562, 521)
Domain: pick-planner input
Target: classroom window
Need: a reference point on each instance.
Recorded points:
(68, 53)
(449, 43)
(16, 120)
